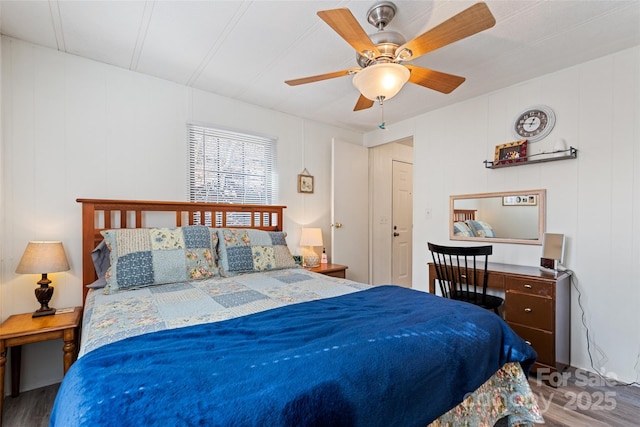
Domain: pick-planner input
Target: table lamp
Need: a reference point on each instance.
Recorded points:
(310, 237)
(42, 258)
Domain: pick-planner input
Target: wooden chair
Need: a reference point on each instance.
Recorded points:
(462, 274)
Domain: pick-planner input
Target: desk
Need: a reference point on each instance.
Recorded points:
(537, 306)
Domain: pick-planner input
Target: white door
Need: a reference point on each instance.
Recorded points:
(350, 208)
(402, 211)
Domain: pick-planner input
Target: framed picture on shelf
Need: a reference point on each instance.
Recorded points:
(305, 183)
(520, 200)
(511, 152)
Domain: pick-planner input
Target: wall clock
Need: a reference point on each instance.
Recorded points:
(534, 123)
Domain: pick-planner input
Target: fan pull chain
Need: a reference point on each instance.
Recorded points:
(380, 100)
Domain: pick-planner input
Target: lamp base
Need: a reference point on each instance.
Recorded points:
(311, 261)
(44, 312)
(43, 295)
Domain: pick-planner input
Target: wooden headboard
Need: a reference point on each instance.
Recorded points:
(461, 215)
(100, 214)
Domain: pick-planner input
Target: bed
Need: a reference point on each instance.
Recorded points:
(226, 341)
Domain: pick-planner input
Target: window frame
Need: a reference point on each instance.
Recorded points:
(213, 166)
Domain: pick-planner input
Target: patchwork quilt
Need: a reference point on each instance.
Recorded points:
(380, 356)
(112, 317)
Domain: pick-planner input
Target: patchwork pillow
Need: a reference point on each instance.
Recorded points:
(462, 229)
(248, 250)
(152, 256)
(480, 228)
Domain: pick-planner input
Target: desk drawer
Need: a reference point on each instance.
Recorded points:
(529, 310)
(531, 287)
(541, 341)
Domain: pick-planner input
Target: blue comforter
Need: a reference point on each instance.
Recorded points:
(379, 357)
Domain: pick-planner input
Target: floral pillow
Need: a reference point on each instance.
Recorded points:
(152, 256)
(481, 228)
(248, 250)
(462, 229)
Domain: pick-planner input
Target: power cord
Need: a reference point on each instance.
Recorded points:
(574, 281)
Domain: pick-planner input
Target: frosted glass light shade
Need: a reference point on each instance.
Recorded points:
(383, 80)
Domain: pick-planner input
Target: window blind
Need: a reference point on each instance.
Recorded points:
(230, 167)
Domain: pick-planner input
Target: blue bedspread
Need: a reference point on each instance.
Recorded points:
(379, 357)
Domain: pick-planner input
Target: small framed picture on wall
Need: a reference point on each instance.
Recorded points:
(305, 183)
(512, 152)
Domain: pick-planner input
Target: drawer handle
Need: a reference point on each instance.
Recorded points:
(527, 286)
(527, 310)
(528, 342)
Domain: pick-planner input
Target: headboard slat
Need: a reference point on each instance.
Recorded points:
(107, 218)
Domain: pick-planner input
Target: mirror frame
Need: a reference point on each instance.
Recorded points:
(541, 216)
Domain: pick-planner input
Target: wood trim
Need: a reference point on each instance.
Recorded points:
(113, 214)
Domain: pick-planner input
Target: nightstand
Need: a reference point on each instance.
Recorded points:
(22, 329)
(333, 270)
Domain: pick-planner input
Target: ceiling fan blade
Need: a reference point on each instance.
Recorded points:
(320, 77)
(466, 23)
(442, 82)
(363, 103)
(345, 24)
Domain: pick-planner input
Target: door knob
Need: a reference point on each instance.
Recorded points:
(337, 225)
(396, 234)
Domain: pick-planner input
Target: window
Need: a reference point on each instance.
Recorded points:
(230, 167)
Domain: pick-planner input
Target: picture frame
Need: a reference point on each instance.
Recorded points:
(520, 200)
(305, 183)
(511, 152)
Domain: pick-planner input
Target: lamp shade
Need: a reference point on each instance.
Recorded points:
(43, 257)
(381, 80)
(311, 237)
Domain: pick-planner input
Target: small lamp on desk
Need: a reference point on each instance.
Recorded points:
(43, 258)
(311, 237)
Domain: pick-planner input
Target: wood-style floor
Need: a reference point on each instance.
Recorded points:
(30, 409)
(581, 399)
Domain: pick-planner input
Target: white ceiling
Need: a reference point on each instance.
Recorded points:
(246, 49)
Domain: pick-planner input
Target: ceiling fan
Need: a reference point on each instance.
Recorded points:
(382, 55)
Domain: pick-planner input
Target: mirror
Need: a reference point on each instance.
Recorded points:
(506, 217)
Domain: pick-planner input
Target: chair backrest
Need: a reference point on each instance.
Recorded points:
(462, 271)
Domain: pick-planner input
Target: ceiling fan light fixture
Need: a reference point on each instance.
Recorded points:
(404, 54)
(368, 54)
(381, 80)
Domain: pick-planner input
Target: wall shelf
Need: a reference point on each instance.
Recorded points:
(569, 153)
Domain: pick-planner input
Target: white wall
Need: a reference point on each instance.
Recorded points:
(78, 128)
(594, 200)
